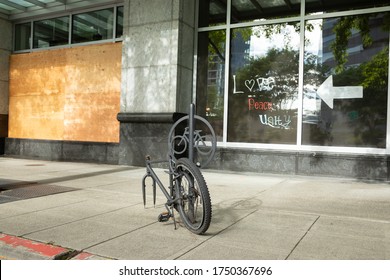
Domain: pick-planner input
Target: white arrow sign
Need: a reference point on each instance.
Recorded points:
(327, 92)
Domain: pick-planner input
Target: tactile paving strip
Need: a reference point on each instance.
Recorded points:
(24, 190)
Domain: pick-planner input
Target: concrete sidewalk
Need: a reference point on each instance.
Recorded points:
(92, 211)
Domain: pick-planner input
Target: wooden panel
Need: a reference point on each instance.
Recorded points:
(93, 95)
(66, 94)
(36, 95)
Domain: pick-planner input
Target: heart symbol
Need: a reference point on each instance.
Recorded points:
(250, 84)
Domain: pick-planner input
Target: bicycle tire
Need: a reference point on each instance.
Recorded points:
(194, 203)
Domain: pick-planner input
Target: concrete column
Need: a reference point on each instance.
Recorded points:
(157, 74)
(5, 51)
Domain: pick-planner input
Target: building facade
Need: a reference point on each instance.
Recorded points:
(290, 86)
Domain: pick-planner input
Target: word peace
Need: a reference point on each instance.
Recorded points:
(258, 105)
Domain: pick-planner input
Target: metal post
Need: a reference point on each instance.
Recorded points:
(191, 126)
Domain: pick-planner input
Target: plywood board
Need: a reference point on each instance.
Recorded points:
(66, 94)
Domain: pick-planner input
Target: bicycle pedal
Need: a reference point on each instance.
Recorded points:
(163, 217)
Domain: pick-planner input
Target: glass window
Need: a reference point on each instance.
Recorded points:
(51, 32)
(93, 26)
(263, 86)
(22, 36)
(211, 78)
(119, 22)
(346, 81)
(313, 6)
(250, 10)
(212, 12)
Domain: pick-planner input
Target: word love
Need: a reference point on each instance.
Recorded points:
(281, 122)
(253, 85)
(258, 105)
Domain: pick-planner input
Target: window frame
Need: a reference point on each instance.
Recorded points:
(69, 44)
(29, 39)
(34, 29)
(302, 18)
(89, 12)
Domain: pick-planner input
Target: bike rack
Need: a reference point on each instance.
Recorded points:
(193, 138)
(191, 125)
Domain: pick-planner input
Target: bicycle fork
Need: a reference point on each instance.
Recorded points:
(163, 217)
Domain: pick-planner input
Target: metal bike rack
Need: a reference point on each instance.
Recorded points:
(193, 134)
(191, 125)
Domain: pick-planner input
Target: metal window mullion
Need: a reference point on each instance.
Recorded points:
(114, 23)
(31, 36)
(300, 74)
(195, 62)
(13, 37)
(227, 69)
(70, 29)
(388, 105)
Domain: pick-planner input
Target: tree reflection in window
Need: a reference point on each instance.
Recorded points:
(354, 51)
(211, 78)
(263, 89)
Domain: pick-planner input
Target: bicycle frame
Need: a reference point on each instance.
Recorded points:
(169, 195)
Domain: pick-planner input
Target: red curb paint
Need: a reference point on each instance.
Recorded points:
(35, 247)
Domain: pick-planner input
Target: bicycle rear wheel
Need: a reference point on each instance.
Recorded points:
(194, 205)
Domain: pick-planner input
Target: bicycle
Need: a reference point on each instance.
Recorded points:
(187, 193)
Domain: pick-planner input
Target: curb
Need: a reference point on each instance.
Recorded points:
(17, 248)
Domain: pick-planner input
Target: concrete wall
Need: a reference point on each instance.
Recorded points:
(66, 94)
(5, 51)
(157, 74)
(366, 167)
(157, 59)
(62, 150)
